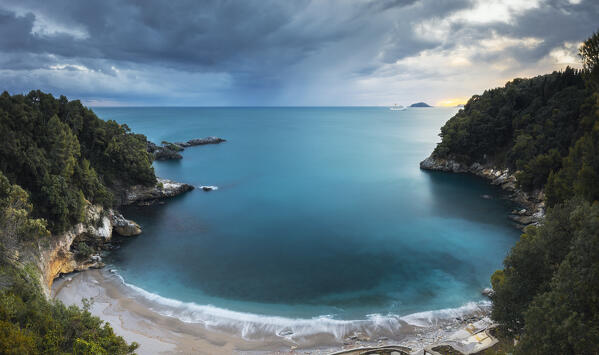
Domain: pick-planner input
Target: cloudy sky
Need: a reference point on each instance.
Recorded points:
(301, 52)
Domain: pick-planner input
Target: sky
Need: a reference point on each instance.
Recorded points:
(284, 53)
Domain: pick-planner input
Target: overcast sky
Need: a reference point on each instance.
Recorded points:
(301, 52)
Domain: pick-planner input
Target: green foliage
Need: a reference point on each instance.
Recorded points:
(549, 289)
(63, 154)
(30, 324)
(531, 263)
(16, 225)
(84, 251)
(547, 128)
(589, 52)
(580, 173)
(528, 125)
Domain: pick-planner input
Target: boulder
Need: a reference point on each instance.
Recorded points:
(123, 226)
(146, 195)
(487, 291)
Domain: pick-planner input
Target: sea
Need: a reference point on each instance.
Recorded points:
(322, 222)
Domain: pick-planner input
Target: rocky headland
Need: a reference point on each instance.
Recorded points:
(170, 151)
(533, 204)
(147, 195)
(80, 247)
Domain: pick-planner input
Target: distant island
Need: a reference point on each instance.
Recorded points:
(420, 104)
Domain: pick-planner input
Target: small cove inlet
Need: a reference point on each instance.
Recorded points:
(322, 222)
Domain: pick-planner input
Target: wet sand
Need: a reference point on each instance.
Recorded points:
(133, 318)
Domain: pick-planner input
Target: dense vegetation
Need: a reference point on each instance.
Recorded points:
(528, 125)
(56, 157)
(63, 154)
(29, 323)
(547, 128)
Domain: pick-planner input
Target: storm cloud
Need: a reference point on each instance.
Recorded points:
(262, 52)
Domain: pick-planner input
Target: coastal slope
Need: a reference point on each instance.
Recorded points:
(538, 139)
(63, 175)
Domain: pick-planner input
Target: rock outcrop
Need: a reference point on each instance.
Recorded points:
(169, 151)
(79, 248)
(58, 257)
(533, 203)
(64, 254)
(123, 226)
(202, 141)
(163, 152)
(146, 195)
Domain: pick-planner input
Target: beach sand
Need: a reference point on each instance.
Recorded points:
(134, 318)
(156, 334)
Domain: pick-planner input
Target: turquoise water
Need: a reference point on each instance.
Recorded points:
(320, 213)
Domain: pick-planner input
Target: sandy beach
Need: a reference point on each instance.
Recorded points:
(136, 319)
(156, 334)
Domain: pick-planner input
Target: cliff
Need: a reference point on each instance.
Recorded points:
(533, 204)
(79, 248)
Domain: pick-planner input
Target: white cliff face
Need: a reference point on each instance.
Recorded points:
(57, 256)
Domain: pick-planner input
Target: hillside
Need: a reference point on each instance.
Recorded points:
(62, 169)
(544, 131)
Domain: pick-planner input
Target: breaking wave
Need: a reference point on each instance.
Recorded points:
(257, 326)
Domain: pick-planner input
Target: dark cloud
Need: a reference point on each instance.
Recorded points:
(257, 49)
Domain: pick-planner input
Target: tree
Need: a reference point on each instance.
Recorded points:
(565, 318)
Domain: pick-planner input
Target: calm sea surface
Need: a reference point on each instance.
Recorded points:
(319, 212)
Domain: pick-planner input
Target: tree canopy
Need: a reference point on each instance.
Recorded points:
(29, 323)
(63, 154)
(547, 129)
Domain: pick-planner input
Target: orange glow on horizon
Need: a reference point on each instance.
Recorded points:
(452, 102)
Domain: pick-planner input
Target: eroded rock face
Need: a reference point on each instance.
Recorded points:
(147, 194)
(57, 257)
(61, 255)
(78, 248)
(123, 226)
(534, 202)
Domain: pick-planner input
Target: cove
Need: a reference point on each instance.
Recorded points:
(319, 212)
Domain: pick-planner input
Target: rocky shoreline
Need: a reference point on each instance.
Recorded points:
(80, 247)
(147, 195)
(170, 151)
(533, 204)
